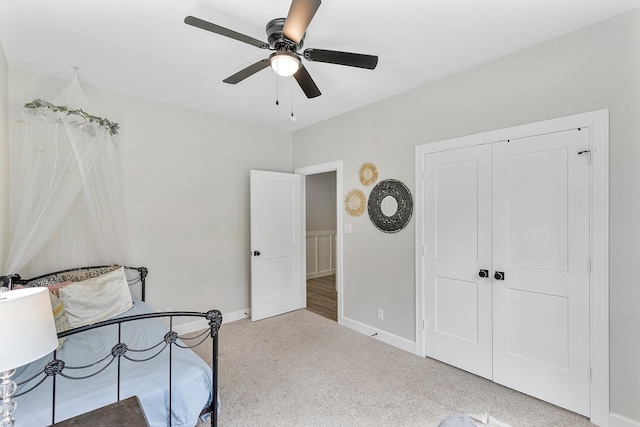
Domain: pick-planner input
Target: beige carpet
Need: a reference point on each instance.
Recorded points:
(300, 369)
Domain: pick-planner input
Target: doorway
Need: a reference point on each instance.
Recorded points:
(320, 220)
(323, 249)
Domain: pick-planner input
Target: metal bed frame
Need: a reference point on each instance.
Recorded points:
(120, 350)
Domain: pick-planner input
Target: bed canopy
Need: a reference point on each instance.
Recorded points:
(65, 196)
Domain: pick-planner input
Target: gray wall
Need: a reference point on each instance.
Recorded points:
(590, 69)
(185, 178)
(321, 201)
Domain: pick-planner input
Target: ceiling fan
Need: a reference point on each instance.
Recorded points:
(286, 37)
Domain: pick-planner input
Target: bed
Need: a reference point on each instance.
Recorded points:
(133, 353)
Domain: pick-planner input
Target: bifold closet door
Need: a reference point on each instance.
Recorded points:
(541, 244)
(458, 246)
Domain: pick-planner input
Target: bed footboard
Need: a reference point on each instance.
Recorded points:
(171, 342)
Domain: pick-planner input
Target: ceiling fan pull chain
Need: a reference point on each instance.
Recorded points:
(277, 89)
(293, 117)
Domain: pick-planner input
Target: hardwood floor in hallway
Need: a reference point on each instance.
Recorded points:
(322, 297)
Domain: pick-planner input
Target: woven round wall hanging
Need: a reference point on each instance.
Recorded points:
(368, 174)
(355, 202)
(390, 206)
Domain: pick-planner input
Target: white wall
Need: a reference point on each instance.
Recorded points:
(186, 191)
(4, 159)
(590, 69)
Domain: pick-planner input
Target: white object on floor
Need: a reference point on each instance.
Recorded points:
(487, 420)
(471, 420)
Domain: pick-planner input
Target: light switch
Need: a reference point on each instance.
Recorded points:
(347, 228)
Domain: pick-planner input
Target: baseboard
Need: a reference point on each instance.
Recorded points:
(616, 420)
(316, 275)
(385, 337)
(236, 315)
(200, 324)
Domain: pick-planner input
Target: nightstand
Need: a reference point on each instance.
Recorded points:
(127, 412)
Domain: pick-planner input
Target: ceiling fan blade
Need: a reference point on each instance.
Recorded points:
(300, 15)
(247, 72)
(342, 58)
(306, 83)
(197, 22)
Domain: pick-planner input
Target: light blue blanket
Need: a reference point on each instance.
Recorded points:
(148, 380)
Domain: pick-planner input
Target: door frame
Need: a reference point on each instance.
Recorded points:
(335, 166)
(598, 124)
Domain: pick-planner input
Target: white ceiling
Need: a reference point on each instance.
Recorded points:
(143, 47)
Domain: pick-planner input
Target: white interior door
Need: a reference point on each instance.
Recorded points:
(519, 210)
(550, 240)
(541, 244)
(458, 246)
(277, 276)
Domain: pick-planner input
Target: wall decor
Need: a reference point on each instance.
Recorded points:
(39, 104)
(355, 202)
(368, 173)
(390, 206)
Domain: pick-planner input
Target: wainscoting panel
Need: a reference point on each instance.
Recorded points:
(321, 253)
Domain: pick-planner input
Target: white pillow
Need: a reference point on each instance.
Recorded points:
(96, 299)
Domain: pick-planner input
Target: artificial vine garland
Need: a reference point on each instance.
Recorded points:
(39, 103)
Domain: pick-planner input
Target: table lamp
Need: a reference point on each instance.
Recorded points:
(28, 333)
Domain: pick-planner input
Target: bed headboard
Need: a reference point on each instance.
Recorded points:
(136, 277)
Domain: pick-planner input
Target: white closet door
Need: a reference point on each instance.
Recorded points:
(541, 243)
(457, 247)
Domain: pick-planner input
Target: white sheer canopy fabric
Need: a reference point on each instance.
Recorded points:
(65, 198)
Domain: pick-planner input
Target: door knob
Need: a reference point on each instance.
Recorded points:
(483, 273)
(256, 253)
(499, 275)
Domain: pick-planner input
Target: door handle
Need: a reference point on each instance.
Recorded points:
(483, 273)
(499, 275)
(256, 253)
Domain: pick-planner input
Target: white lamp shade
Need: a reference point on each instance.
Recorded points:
(284, 63)
(28, 327)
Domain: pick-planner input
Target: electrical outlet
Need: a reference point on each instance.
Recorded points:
(380, 314)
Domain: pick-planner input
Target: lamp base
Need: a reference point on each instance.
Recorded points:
(7, 387)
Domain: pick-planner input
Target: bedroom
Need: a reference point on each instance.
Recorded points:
(206, 233)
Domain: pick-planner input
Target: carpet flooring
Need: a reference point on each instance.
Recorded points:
(301, 369)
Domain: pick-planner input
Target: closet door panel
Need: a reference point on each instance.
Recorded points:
(541, 244)
(458, 245)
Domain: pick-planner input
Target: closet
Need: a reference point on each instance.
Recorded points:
(504, 261)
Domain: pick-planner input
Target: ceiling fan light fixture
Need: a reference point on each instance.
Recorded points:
(285, 63)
